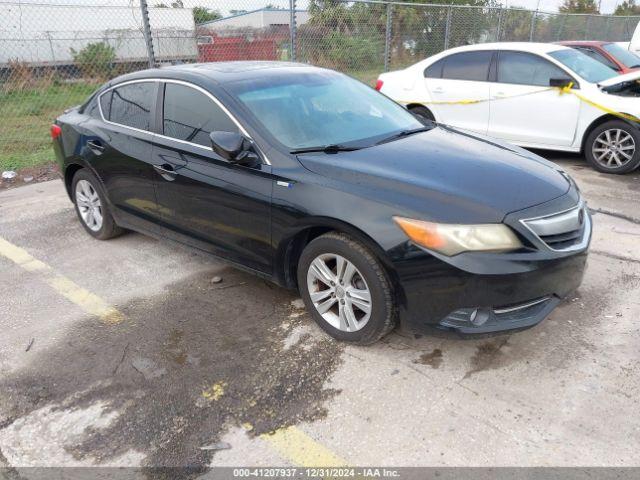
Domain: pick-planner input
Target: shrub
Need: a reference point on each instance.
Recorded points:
(95, 60)
(340, 51)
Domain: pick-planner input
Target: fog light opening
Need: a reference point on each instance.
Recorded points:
(479, 317)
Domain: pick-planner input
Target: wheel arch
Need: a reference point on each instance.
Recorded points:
(290, 248)
(599, 121)
(69, 173)
(415, 105)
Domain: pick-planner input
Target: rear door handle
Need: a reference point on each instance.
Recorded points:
(95, 146)
(166, 171)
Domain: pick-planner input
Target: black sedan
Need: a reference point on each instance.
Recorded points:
(317, 182)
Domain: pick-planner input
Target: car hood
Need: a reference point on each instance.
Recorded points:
(446, 176)
(627, 77)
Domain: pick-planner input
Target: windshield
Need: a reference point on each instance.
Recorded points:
(304, 110)
(627, 58)
(586, 67)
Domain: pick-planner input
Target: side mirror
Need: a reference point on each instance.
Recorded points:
(233, 147)
(560, 82)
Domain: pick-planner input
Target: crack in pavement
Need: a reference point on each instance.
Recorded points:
(614, 256)
(621, 216)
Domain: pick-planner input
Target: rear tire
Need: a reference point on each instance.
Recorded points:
(91, 206)
(352, 295)
(423, 114)
(613, 147)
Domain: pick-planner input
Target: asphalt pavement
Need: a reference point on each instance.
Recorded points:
(126, 353)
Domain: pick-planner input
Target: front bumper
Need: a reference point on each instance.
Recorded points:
(488, 292)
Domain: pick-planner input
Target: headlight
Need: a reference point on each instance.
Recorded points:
(451, 239)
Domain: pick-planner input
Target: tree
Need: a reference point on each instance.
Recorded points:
(202, 15)
(579, 6)
(95, 60)
(628, 7)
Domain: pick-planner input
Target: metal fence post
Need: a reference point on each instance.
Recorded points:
(144, 8)
(293, 30)
(499, 24)
(533, 25)
(447, 28)
(387, 37)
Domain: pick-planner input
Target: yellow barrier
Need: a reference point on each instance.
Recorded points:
(561, 90)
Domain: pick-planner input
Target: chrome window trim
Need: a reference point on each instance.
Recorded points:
(586, 234)
(159, 135)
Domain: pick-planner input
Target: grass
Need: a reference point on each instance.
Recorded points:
(368, 76)
(26, 116)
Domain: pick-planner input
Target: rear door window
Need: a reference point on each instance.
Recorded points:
(190, 115)
(472, 66)
(130, 105)
(527, 69)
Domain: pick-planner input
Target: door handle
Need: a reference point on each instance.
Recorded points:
(166, 171)
(95, 146)
(499, 95)
(438, 90)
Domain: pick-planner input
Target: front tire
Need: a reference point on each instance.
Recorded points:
(614, 147)
(91, 206)
(346, 289)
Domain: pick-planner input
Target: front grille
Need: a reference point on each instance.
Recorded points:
(561, 241)
(562, 231)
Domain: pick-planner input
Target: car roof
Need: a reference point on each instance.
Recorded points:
(218, 72)
(532, 47)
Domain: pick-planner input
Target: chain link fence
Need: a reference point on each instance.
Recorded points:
(53, 55)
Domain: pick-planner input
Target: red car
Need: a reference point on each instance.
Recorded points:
(611, 54)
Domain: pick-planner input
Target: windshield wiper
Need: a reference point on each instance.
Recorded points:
(325, 149)
(403, 133)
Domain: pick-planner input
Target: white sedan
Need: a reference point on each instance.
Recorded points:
(504, 90)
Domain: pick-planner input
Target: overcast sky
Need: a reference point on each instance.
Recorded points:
(608, 6)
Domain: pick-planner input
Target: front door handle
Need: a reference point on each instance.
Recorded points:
(95, 146)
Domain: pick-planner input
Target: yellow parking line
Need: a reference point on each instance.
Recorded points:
(87, 301)
(302, 450)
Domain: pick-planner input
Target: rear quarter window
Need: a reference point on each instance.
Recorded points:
(131, 105)
(105, 105)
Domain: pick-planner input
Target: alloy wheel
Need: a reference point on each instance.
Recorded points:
(614, 148)
(89, 205)
(339, 292)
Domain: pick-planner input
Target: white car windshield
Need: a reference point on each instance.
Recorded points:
(584, 66)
